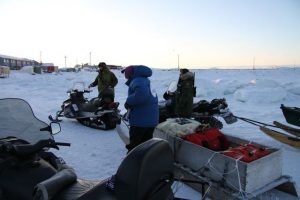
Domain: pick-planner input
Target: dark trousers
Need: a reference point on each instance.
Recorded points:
(138, 135)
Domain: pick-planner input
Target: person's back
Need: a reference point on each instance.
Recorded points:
(141, 99)
(142, 105)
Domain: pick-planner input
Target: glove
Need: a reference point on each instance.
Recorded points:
(126, 106)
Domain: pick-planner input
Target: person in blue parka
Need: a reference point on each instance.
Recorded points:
(141, 105)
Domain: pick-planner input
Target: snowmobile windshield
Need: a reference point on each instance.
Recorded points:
(172, 87)
(18, 120)
(79, 86)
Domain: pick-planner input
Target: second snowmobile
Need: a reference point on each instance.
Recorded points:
(99, 113)
(203, 111)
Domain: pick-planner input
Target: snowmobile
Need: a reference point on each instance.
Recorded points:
(29, 171)
(99, 113)
(203, 111)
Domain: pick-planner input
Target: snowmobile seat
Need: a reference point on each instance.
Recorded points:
(145, 173)
(151, 170)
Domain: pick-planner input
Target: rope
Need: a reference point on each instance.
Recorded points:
(206, 191)
(241, 193)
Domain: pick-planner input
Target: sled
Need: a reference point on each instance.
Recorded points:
(291, 114)
(230, 178)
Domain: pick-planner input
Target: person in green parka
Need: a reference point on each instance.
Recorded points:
(184, 94)
(106, 81)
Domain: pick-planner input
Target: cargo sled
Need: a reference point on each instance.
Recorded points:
(228, 177)
(291, 114)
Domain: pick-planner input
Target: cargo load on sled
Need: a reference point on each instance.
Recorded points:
(234, 168)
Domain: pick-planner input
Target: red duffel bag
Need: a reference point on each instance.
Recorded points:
(212, 139)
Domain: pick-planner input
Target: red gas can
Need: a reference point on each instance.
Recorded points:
(247, 153)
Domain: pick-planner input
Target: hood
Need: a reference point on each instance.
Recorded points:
(141, 71)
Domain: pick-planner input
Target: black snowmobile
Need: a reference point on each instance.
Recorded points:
(29, 171)
(100, 113)
(203, 111)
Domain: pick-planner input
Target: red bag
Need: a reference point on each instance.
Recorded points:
(247, 153)
(212, 139)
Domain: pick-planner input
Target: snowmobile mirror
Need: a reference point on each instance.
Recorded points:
(55, 128)
(229, 117)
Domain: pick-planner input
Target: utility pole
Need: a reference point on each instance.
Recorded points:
(65, 61)
(90, 58)
(178, 61)
(253, 63)
(40, 57)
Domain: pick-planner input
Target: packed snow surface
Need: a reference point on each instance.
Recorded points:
(96, 154)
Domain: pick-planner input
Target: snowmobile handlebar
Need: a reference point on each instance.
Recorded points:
(29, 149)
(78, 91)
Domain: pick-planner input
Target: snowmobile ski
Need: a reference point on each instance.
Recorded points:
(287, 128)
(124, 137)
(84, 114)
(281, 137)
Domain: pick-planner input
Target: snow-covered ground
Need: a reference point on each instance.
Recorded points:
(96, 154)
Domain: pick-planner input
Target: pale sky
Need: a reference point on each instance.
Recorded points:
(201, 33)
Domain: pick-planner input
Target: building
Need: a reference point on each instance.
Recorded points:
(15, 62)
(49, 67)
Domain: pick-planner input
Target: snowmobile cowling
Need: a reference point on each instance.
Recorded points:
(291, 114)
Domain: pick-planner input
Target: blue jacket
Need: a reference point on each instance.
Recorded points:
(143, 105)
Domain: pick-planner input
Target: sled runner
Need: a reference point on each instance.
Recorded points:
(291, 114)
(99, 113)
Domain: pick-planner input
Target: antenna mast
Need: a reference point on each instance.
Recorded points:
(178, 61)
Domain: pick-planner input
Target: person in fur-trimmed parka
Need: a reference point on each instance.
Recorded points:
(185, 94)
(141, 105)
